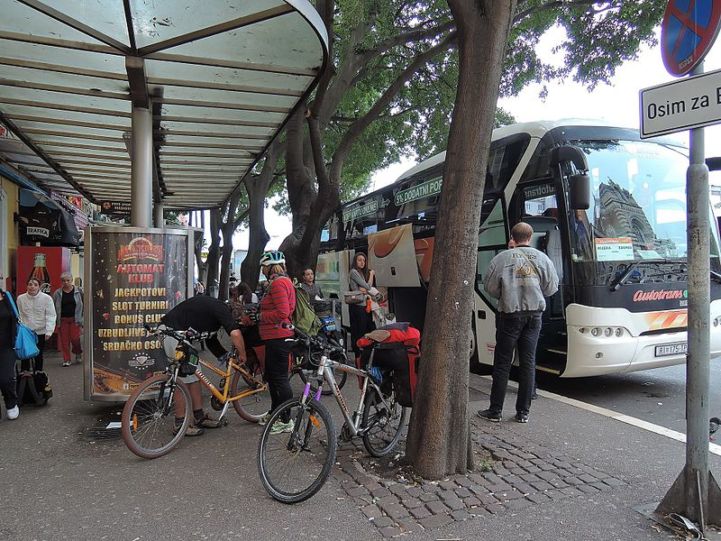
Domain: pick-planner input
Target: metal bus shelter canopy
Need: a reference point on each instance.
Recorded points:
(219, 77)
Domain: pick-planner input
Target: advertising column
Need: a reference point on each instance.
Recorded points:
(134, 276)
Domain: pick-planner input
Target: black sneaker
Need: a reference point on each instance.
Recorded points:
(521, 417)
(490, 415)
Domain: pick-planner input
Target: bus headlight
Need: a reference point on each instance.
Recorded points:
(607, 332)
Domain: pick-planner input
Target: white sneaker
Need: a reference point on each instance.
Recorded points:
(13, 413)
(264, 418)
(78, 358)
(279, 427)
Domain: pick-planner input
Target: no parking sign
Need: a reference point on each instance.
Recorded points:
(688, 31)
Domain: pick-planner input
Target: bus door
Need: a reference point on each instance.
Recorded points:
(492, 239)
(536, 203)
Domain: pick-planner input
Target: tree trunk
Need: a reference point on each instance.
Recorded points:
(226, 258)
(257, 188)
(301, 190)
(439, 435)
(213, 260)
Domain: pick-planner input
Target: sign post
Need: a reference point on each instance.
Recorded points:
(688, 32)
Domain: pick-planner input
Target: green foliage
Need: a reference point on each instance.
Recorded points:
(594, 38)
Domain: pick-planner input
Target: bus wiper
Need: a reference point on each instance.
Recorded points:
(716, 277)
(618, 281)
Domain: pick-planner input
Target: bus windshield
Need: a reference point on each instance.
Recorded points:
(638, 203)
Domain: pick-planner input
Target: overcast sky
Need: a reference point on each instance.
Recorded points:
(617, 104)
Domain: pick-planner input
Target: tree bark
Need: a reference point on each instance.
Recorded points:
(213, 260)
(228, 228)
(439, 435)
(258, 187)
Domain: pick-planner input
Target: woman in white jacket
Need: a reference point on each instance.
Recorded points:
(37, 311)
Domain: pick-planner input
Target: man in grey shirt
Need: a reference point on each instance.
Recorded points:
(519, 278)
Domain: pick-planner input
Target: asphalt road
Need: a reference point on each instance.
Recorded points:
(657, 396)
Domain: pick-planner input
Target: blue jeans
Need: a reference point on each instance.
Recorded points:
(521, 331)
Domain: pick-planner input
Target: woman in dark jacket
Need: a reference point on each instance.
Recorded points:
(7, 357)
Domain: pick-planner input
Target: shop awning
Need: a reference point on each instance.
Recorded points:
(45, 221)
(221, 79)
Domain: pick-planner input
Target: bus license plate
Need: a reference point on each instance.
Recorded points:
(672, 349)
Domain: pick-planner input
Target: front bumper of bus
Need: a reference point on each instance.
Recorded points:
(615, 340)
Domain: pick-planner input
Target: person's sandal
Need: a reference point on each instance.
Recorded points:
(207, 422)
(193, 431)
(190, 432)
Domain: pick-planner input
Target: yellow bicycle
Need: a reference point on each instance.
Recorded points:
(159, 410)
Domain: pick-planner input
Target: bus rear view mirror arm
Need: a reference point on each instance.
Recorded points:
(569, 153)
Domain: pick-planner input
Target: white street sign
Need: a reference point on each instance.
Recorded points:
(681, 105)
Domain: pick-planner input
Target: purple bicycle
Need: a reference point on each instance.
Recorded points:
(295, 457)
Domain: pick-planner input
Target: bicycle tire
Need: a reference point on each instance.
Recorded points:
(307, 419)
(253, 407)
(393, 422)
(145, 418)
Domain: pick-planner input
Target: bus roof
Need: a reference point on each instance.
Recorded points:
(534, 129)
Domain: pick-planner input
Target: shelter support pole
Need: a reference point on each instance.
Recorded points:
(142, 167)
(695, 493)
(159, 215)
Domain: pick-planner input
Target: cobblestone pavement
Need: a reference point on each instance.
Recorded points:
(519, 474)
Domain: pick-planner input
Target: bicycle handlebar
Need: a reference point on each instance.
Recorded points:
(189, 335)
(327, 346)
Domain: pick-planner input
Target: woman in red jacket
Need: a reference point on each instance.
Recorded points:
(275, 326)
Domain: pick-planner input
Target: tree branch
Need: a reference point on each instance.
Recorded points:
(357, 128)
(415, 35)
(549, 6)
(344, 76)
(326, 9)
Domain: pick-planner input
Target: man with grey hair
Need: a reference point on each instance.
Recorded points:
(519, 278)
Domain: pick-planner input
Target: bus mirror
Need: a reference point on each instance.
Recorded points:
(580, 191)
(569, 153)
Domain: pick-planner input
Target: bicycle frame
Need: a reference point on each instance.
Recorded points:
(325, 371)
(224, 396)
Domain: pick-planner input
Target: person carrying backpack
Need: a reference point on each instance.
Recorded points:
(275, 325)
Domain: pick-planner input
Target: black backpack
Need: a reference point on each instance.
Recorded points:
(33, 388)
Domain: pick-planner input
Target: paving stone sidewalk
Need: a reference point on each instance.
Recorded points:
(518, 474)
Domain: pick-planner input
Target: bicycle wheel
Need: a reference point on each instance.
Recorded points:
(383, 424)
(254, 406)
(294, 465)
(148, 422)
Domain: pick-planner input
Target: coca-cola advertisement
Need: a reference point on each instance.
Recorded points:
(45, 263)
(134, 276)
